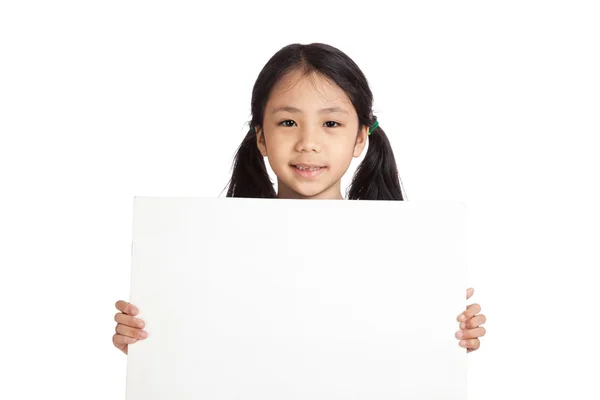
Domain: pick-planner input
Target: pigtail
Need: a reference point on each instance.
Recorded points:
(249, 177)
(376, 178)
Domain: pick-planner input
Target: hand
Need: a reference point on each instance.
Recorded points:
(470, 326)
(129, 329)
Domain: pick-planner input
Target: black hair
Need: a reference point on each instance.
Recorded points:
(376, 178)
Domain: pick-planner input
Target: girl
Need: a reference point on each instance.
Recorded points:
(311, 114)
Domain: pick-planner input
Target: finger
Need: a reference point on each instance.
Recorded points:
(470, 344)
(118, 342)
(471, 333)
(470, 312)
(131, 332)
(474, 322)
(126, 308)
(121, 341)
(470, 292)
(128, 320)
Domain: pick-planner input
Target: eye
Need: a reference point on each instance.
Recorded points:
(331, 124)
(286, 123)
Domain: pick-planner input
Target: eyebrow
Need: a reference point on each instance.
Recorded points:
(322, 110)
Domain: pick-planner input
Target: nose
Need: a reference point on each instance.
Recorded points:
(309, 140)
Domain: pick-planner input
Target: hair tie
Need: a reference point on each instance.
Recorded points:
(373, 127)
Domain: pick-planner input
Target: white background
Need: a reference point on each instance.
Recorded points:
(497, 105)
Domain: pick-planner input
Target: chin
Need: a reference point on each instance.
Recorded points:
(293, 186)
(310, 191)
(304, 192)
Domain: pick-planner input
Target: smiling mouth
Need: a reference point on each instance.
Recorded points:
(308, 171)
(307, 167)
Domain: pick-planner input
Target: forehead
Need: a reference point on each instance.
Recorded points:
(299, 88)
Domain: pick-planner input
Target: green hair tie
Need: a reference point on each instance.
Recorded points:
(372, 128)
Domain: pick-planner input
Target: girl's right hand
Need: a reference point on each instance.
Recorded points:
(129, 329)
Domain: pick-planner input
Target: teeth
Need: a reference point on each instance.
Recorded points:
(301, 168)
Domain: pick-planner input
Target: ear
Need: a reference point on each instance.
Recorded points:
(260, 141)
(361, 141)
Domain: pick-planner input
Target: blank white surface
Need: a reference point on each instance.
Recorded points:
(265, 299)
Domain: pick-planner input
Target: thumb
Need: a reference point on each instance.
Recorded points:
(470, 292)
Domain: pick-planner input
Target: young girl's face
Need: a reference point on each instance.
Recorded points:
(310, 134)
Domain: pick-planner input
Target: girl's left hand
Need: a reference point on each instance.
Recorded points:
(470, 325)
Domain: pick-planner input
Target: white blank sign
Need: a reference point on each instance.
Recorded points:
(273, 299)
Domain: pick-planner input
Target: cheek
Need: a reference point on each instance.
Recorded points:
(343, 149)
(274, 145)
(277, 151)
(342, 157)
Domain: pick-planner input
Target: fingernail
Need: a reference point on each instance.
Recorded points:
(463, 317)
(144, 334)
(134, 310)
(140, 323)
(459, 334)
(463, 342)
